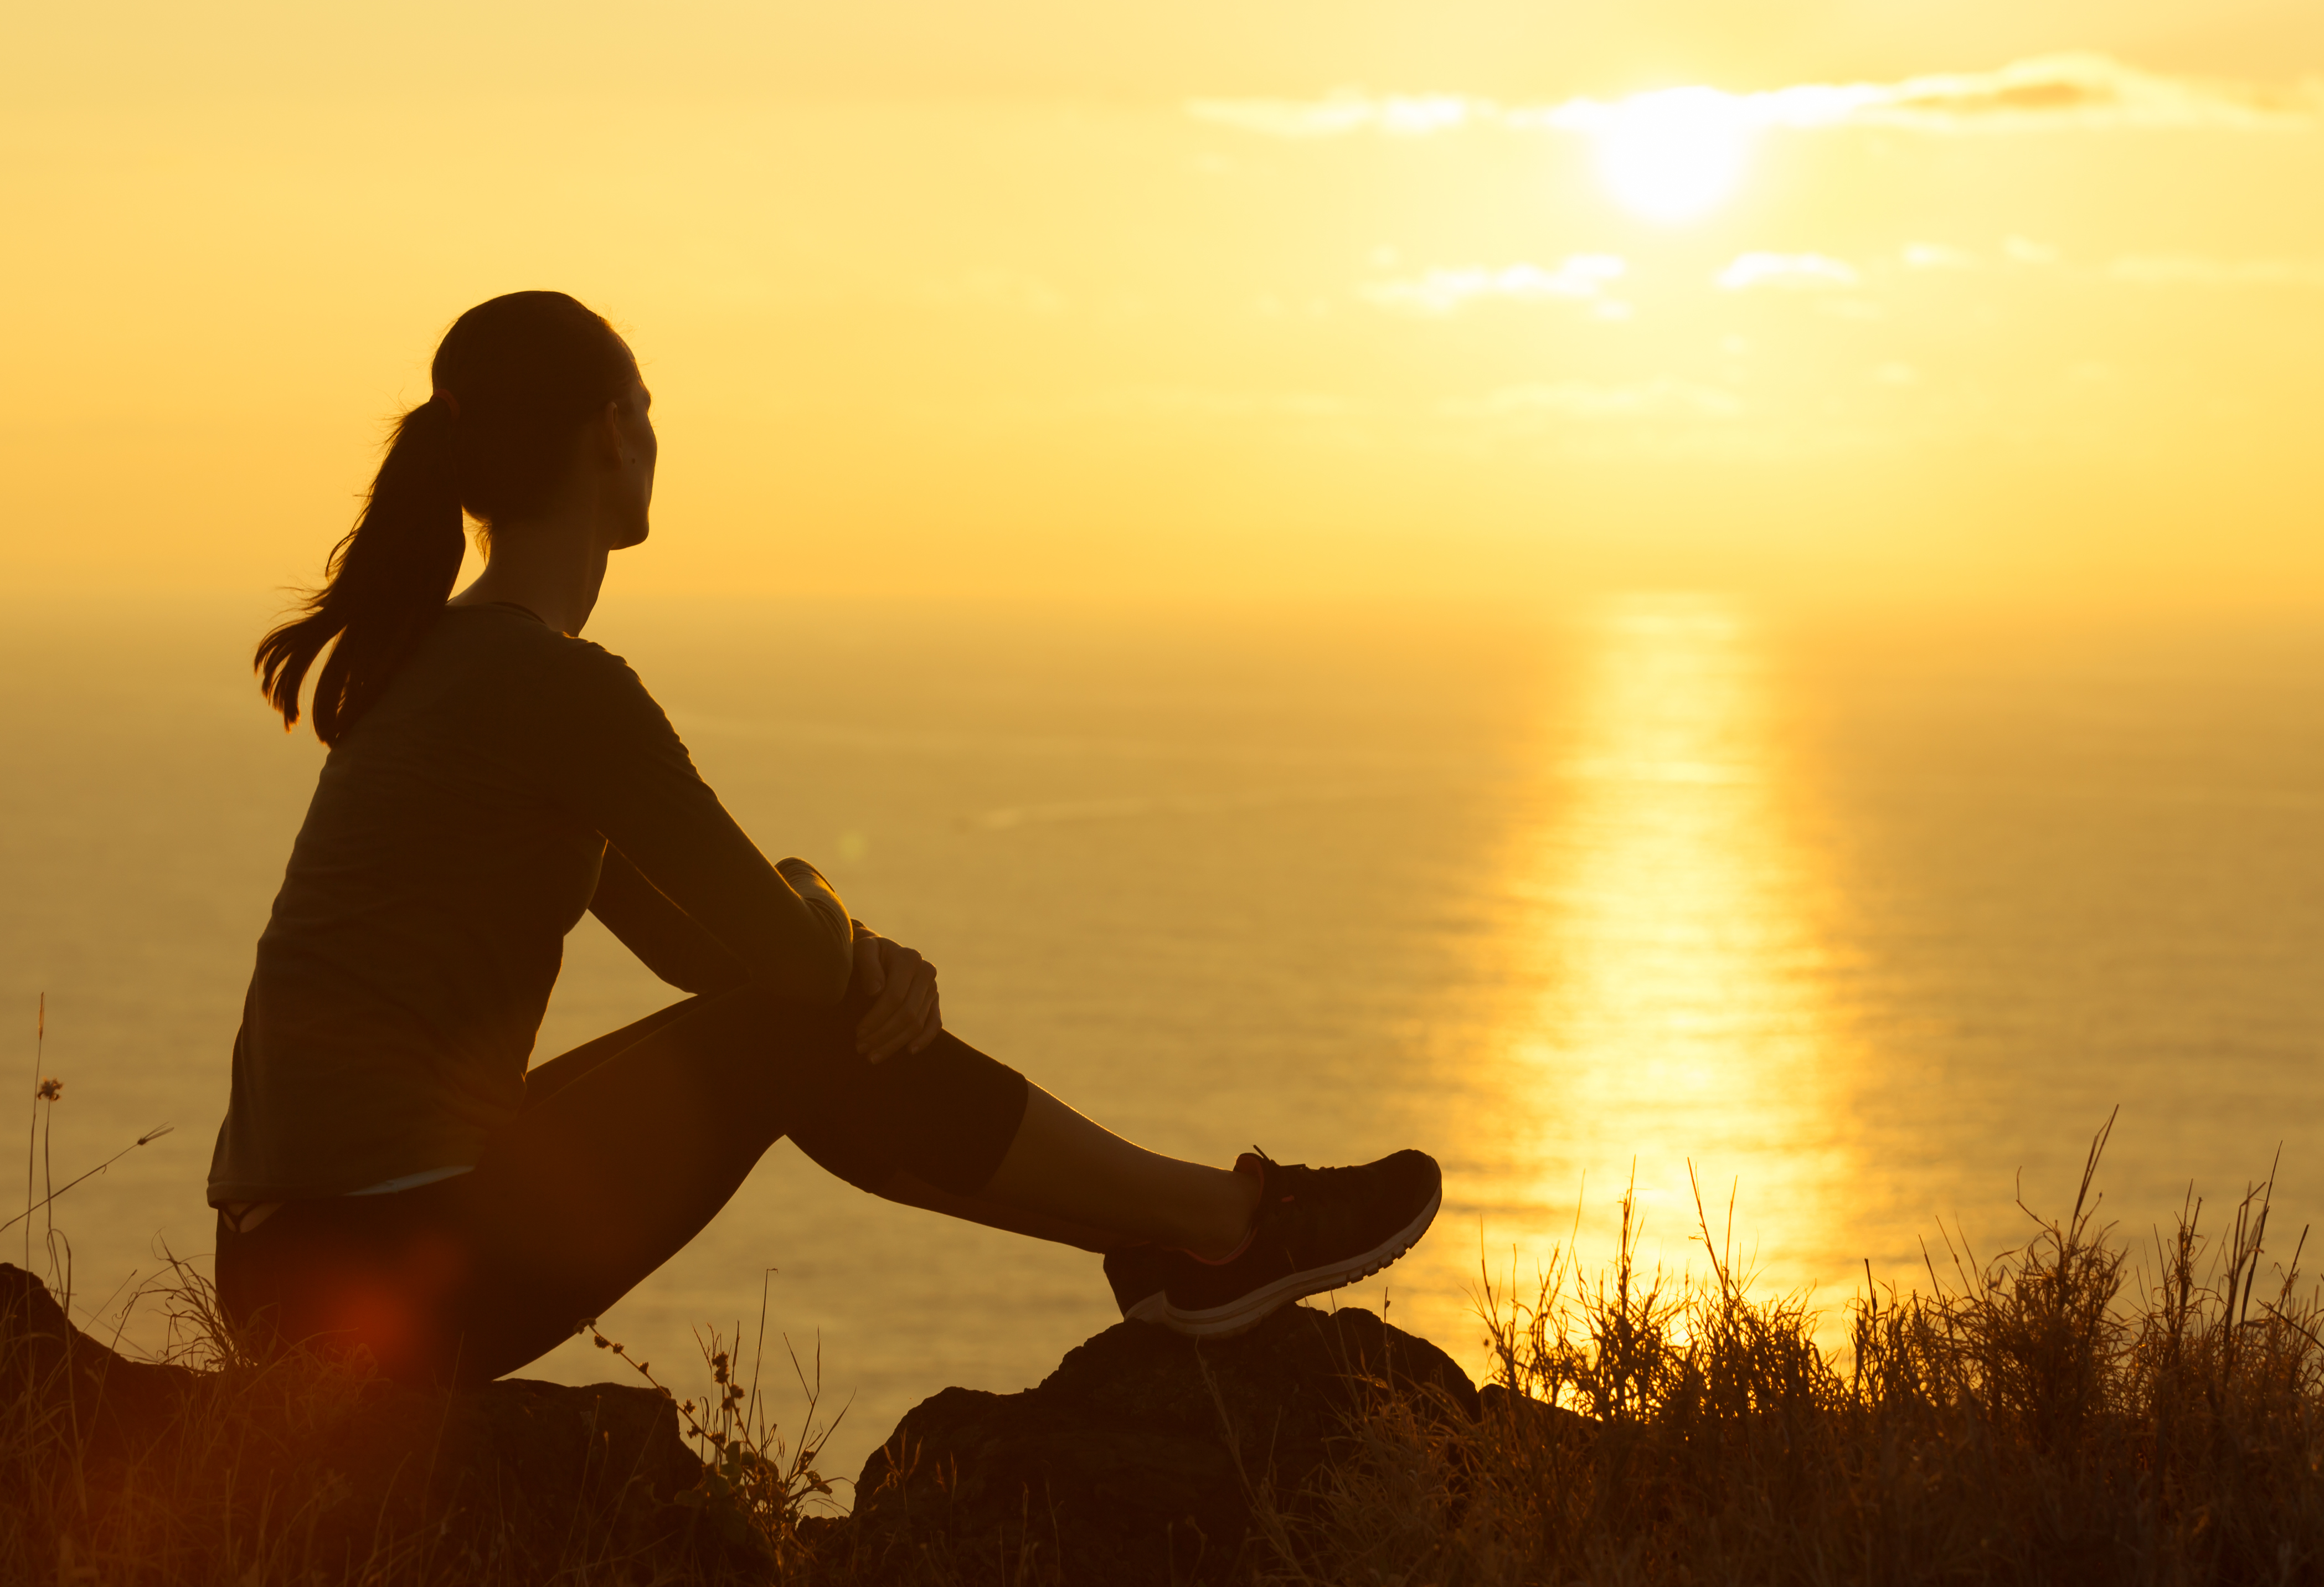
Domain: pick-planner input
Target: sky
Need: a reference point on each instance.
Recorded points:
(1358, 302)
(1068, 49)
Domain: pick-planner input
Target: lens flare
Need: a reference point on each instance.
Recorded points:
(1676, 155)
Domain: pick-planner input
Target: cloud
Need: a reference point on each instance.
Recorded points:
(1581, 399)
(1938, 257)
(2191, 270)
(2047, 91)
(1583, 276)
(2079, 90)
(1815, 271)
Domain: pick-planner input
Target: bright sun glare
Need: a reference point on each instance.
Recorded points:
(1674, 155)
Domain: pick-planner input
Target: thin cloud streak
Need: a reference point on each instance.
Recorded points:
(2047, 92)
(1939, 256)
(1813, 271)
(1582, 277)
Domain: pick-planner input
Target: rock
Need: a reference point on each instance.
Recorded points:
(52, 1372)
(342, 1466)
(1544, 1424)
(1137, 1459)
(1144, 1457)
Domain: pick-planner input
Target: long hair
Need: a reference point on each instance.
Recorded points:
(515, 379)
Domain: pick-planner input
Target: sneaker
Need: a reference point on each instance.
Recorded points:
(1138, 1274)
(1316, 1229)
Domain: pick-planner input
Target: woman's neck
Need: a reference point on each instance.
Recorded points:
(554, 575)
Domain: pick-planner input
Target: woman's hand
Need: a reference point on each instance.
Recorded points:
(904, 1016)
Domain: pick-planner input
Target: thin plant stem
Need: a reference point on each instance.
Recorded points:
(48, 1186)
(147, 1139)
(31, 1132)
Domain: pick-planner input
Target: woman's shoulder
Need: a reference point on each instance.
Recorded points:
(515, 638)
(502, 672)
(584, 708)
(497, 681)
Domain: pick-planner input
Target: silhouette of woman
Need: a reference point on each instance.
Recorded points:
(391, 1176)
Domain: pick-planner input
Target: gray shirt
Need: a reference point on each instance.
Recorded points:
(509, 778)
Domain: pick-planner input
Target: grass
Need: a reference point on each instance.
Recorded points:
(216, 1462)
(221, 1465)
(2048, 1416)
(755, 1489)
(2056, 1413)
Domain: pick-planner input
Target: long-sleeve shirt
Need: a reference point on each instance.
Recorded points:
(509, 778)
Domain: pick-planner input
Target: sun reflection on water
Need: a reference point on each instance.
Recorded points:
(1676, 931)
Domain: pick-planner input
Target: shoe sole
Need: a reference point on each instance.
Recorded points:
(1246, 1311)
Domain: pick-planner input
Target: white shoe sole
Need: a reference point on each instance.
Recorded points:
(1246, 1311)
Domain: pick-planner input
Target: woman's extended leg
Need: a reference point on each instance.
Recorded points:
(627, 1146)
(1064, 1165)
(947, 1126)
(1069, 1179)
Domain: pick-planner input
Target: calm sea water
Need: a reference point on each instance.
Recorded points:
(1870, 921)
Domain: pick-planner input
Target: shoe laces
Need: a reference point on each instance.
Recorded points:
(1268, 1175)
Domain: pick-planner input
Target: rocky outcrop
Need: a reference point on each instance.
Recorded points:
(1140, 1457)
(1143, 1458)
(335, 1473)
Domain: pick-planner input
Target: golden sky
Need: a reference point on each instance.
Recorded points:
(455, 49)
(1483, 299)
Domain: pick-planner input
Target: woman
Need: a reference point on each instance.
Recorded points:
(391, 1176)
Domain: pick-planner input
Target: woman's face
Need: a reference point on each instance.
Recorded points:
(632, 485)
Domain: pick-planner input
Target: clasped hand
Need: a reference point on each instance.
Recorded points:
(904, 1016)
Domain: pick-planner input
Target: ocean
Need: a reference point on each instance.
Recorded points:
(1859, 924)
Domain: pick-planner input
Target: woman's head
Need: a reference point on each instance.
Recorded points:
(523, 375)
(521, 381)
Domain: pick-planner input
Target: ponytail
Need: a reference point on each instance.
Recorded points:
(383, 584)
(515, 378)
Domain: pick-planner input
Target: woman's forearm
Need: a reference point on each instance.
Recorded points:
(667, 940)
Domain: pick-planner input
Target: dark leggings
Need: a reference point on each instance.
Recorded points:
(624, 1149)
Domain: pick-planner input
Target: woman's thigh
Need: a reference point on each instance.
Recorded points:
(601, 1179)
(545, 1079)
(624, 1149)
(606, 1174)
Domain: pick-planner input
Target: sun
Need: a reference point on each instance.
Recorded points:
(1674, 155)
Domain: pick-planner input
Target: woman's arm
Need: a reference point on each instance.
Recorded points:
(666, 939)
(616, 762)
(905, 1015)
